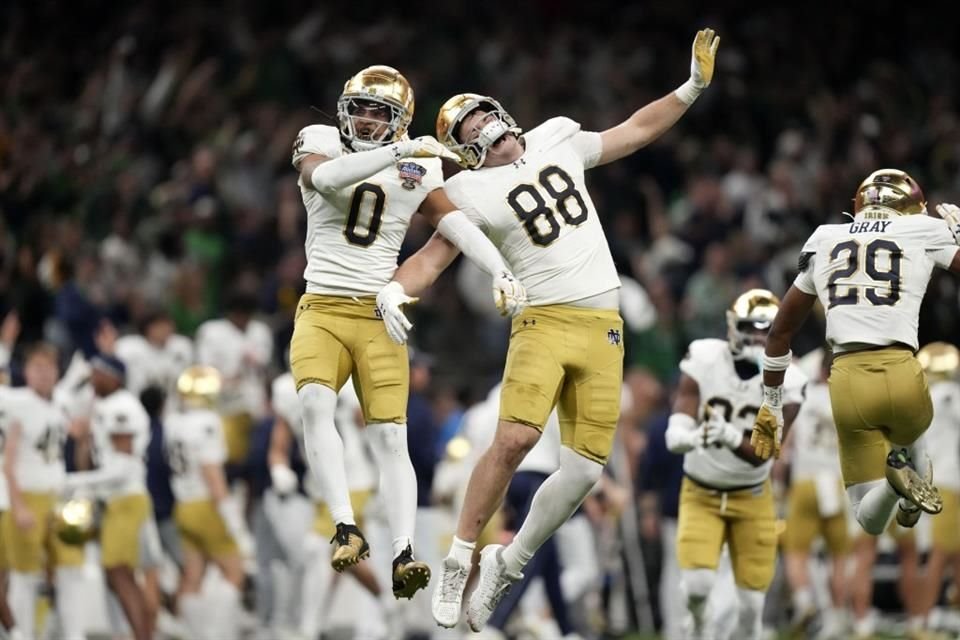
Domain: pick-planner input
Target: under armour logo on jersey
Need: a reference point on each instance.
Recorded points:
(613, 337)
(411, 174)
(519, 163)
(530, 322)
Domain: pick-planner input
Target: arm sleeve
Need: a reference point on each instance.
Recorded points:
(466, 236)
(588, 146)
(940, 244)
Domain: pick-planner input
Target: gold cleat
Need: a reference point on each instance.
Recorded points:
(905, 480)
(350, 547)
(409, 575)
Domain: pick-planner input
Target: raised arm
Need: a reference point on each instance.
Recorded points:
(327, 175)
(768, 427)
(651, 121)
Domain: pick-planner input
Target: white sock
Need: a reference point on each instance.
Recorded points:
(22, 599)
(223, 618)
(317, 579)
(553, 503)
(398, 480)
(71, 602)
(916, 623)
(193, 613)
(462, 551)
(750, 623)
(802, 600)
(325, 449)
(873, 503)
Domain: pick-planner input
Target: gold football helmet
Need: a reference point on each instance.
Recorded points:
(199, 386)
(890, 189)
(749, 320)
(76, 520)
(940, 360)
(472, 154)
(381, 88)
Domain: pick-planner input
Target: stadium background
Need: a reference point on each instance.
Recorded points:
(144, 157)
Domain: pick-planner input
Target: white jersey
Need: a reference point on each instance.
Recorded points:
(121, 412)
(192, 439)
(538, 213)
(4, 419)
(148, 365)
(361, 474)
(241, 357)
(943, 436)
(354, 235)
(871, 276)
(816, 450)
(43, 431)
(710, 363)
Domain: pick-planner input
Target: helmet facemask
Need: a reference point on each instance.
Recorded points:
(748, 323)
(362, 132)
(496, 124)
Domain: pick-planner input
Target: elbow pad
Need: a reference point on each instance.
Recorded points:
(681, 433)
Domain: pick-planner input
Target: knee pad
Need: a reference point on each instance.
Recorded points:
(698, 583)
(318, 402)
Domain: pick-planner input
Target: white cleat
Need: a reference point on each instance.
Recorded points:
(494, 583)
(448, 595)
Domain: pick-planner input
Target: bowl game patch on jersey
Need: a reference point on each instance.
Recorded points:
(411, 174)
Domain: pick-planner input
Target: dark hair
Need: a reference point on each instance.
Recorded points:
(155, 315)
(41, 349)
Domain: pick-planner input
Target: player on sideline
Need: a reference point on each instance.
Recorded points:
(726, 496)
(870, 275)
(361, 184)
(527, 192)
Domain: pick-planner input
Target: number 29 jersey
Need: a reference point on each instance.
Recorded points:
(710, 363)
(871, 275)
(538, 213)
(354, 234)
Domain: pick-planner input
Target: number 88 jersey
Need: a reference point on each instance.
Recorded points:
(871, 275)
(538, 213)
(354, 234)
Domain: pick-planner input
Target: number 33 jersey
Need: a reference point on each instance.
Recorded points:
(871, 275)
(710, 363)
(538, 213)
(354, 234)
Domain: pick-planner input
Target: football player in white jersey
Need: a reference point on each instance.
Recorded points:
(208, 518)
(155, 356)
(120, 430)
(35, 430)
(726, 496)
(527, 192)
(941, 362)
(870, 275)
(816, 506)
(361, 185)
(6, 616)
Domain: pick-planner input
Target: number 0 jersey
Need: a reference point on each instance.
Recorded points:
(538, 213)
(710, 363)
(354, 235)
(871, 275)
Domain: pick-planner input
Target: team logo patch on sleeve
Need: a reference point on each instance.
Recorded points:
(613, 337)
(411, 174)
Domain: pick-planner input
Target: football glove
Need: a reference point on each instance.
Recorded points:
(704, 55)
(508, 294)
(389, 301)
(716, 430)
(768, 426)
(283, 479)
(951, 214)
(424, 147)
